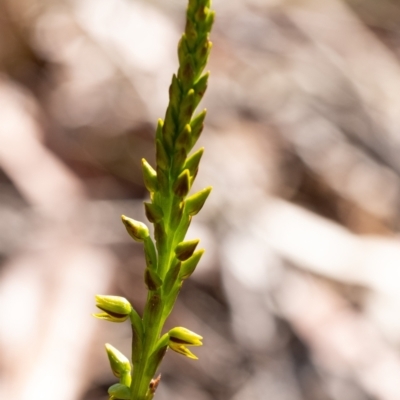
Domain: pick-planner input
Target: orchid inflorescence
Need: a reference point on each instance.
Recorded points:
(169, 258)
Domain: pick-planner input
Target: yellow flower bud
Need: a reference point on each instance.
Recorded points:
(180, 337)
(136, 229)
(116, 308)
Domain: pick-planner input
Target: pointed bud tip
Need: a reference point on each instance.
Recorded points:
(185, 337)
(137, 230)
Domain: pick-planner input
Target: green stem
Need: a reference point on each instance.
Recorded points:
(140, 382)
(152, 333)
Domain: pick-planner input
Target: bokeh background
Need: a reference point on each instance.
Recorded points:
(298, 296)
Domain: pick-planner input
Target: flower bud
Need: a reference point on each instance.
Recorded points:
(192, 5)
(159, 129)
(209, 20)
(180, 337)
(151, 279)
(169, 128)
(119, 392)
(190, 265)
(178, 159)
(201, 54)
(202, 11)
(184, 250)
(120, 365)
(181, 186)
(154, 213)
(195, 203)
(192, 163)
(187, 69)
(175, 93)
(200, 88)
(197, 125)
(185, 336)
(162, 157)
(116, 309)
(191, 34)
(136, 229)
(183, 50)
(162, 179)
(187, 108)
(184, 139)
(149, 177)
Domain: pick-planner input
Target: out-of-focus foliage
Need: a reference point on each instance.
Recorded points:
(298, 295)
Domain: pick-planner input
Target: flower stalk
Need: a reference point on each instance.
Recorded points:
(169, 258)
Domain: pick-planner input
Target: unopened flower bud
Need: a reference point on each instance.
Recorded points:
(162, 179)
(202, 52)
(184, 250)
(183, 50)
(175, 93)
(195, 202)
(181, 186)
(187, 68)
(200, 88)
(191, 34)
(169, 128)
(192, 163)
(153, 212)
(185, 336)
(120, 365)
(190, 265)
(149, 176)
(197, 125)
(209, 20)
(187, 108)
(116, 309)
(162, 157)
(180, 337)
(184, 139)
(136, 229)
(119, 392)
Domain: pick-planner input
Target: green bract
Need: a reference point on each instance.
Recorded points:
(119, 392)
(170, 259)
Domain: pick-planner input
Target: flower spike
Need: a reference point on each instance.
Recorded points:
(170, 257)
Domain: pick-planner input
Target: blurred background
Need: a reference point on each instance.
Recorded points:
(298, 296)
